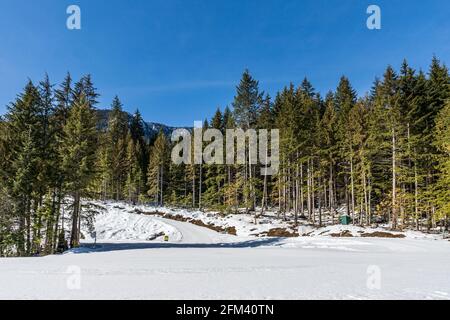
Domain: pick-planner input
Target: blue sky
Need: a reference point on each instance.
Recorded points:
(177, 61)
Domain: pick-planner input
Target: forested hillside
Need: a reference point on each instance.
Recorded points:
(151, 129)
(383, 156)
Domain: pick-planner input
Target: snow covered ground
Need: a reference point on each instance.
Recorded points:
(244, 224)
(118, 224)
(198, 263)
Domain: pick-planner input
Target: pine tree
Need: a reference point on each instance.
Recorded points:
(442, 142)
(266, 121)
(247, 104)
(438, 89)
(79, 154)
(138, 135)
(247, 101)
(85, 87)
(22, 139)
(117, 133)
(63, 103)
(157, 169)
(215, 173)
(345, 100)
(330, 150)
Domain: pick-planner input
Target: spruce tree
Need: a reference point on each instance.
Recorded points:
(157, 169)
(117, 132)
(79, 155)
(442, 142)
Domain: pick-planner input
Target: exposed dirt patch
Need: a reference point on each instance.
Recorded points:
(282, 233)
(231, 230)
(380, 234)
(200, 223)
(343, 234)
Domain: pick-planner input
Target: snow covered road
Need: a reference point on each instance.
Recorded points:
(191, 233)
(199, 263)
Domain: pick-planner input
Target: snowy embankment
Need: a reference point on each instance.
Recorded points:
(271, 225)
(118, 224)
(199, 263)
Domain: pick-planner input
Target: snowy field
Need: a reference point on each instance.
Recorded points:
(132, 261)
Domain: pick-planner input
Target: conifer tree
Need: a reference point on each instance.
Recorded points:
(215, 174)
(442, 142)
(345, 100)
(117, 131)
(157, 169)
(79, 157)
(138, 136)
(22, 138)
(247, 104)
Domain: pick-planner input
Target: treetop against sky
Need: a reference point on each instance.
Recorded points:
(178, 60)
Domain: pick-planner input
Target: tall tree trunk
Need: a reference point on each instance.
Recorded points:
(302, 203)
(193, 186)
(352, 186)
(313, 202)
(50, 226)
(366, 207)
(28, 226)
(394, 182)
(296, 193)
(21, 243)
(416, 197)
(58, 213)
(162, 185)
(200, 188)
(309, 192)
(330, 191)
(319, 197)
(263, 201)
(74, 237)
(347, 198)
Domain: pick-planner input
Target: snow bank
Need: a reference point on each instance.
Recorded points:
(118, 222)
(357, 231)
(245, 226)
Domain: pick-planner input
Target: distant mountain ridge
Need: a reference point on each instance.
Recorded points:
(151, 129)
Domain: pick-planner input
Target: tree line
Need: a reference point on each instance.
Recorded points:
(380, 158)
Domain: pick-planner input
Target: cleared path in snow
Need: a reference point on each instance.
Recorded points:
(191, 233)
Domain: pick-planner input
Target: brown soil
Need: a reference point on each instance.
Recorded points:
(281, 232)
(379, 234)
(343, 234)
(229, 230)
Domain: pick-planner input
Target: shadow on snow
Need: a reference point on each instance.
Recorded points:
(105, 247)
